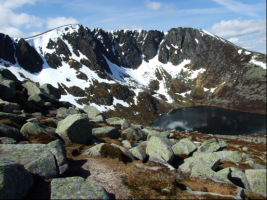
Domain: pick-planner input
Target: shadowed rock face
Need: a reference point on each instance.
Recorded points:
(28, 58)
(6, 48)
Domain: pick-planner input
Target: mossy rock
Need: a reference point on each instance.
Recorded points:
(257, 180)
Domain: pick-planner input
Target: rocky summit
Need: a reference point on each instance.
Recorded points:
(75, 104)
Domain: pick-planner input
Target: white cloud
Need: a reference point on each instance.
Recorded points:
(248, 34)
(238, 27)
(12, 32)
(246, 9)
(60, 21)
(153, 5)
(9, 18)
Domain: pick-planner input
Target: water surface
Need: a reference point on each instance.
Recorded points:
(212, 120)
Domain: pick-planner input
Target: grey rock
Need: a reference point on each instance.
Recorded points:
(76, 188)
(64, 112)
(223, 175)
(178, 176)
(135, 134)
(238, 177)
(11, 132)
(95, 150)
(6, 74)
(202, 170)
(36, 99)
(138, 152)
(31, 128)
(38, 159)
(99, 119)
(9, 107)
(107, 131)
(126, 144)
(75, 128)
(257, 180)
(125, 124)
(15, 181)
(113, 119)
(7, 140)
(158, 146)
(7, 89)
(125, 151)
(212, 145)
(184, 146)
(91, 111)
(228, 156)
(137, 126)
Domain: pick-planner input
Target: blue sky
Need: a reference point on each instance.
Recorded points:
(243, 22)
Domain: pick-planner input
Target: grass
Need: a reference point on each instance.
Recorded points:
(40, 138)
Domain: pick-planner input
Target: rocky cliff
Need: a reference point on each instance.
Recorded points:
(140, 75)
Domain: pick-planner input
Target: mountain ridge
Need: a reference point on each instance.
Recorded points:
(140, 75)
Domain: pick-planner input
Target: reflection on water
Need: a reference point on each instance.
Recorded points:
(218, 121)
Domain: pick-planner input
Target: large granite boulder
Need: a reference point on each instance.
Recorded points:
(13, 117)
(15, 181)
(158, 146)
(6, 74)
(184, 146)
(238, 177)
(212, 145)
(257, 180)
(45, 161)
(11, 132)
(36, 99)
(7, 50)
(75, 128)
(107, 131)
(138, 152)
(95, 150)
(76, 188)
(9, 107)
(132, 133)
(112, 119)
(51, 90)
(7, 89)
(125, 151)
(122, 123)
(64, 112)
(91, 111)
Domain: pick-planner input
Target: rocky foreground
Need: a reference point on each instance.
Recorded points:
(47, 147)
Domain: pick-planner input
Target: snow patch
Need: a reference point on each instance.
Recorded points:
(261, 64)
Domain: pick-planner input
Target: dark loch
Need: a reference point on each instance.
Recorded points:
(212, 120)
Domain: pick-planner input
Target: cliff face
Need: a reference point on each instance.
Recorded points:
(139, 75)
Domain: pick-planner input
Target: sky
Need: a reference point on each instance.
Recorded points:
(242, 22)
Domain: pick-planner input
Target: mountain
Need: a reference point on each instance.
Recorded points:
(139, 75)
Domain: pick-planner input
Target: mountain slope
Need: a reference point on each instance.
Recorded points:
(139, 75)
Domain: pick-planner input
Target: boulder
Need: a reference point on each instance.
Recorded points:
(6, 140)
(75, 128)
(173, 141)
(223, 175)
(125, 151)
(99, 119)
(36, 99)
(112, 119)
(76, 188)
(39, 159)
(11, 132)
(151, 133)
(257, 180)
(184, 146)
(91, 111)
(126, 144)
(7, 89)
(13, 117)
(228, 156)
(238, 177)
(33, 128)
(107, 131)
(132, 133)
(95, 150)
(9, 107)
(158, 146)
(212, 145)
(64, 112)
(15, 181)
(51, 90)
(138, 152)
(6, 74)
(202, 170)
